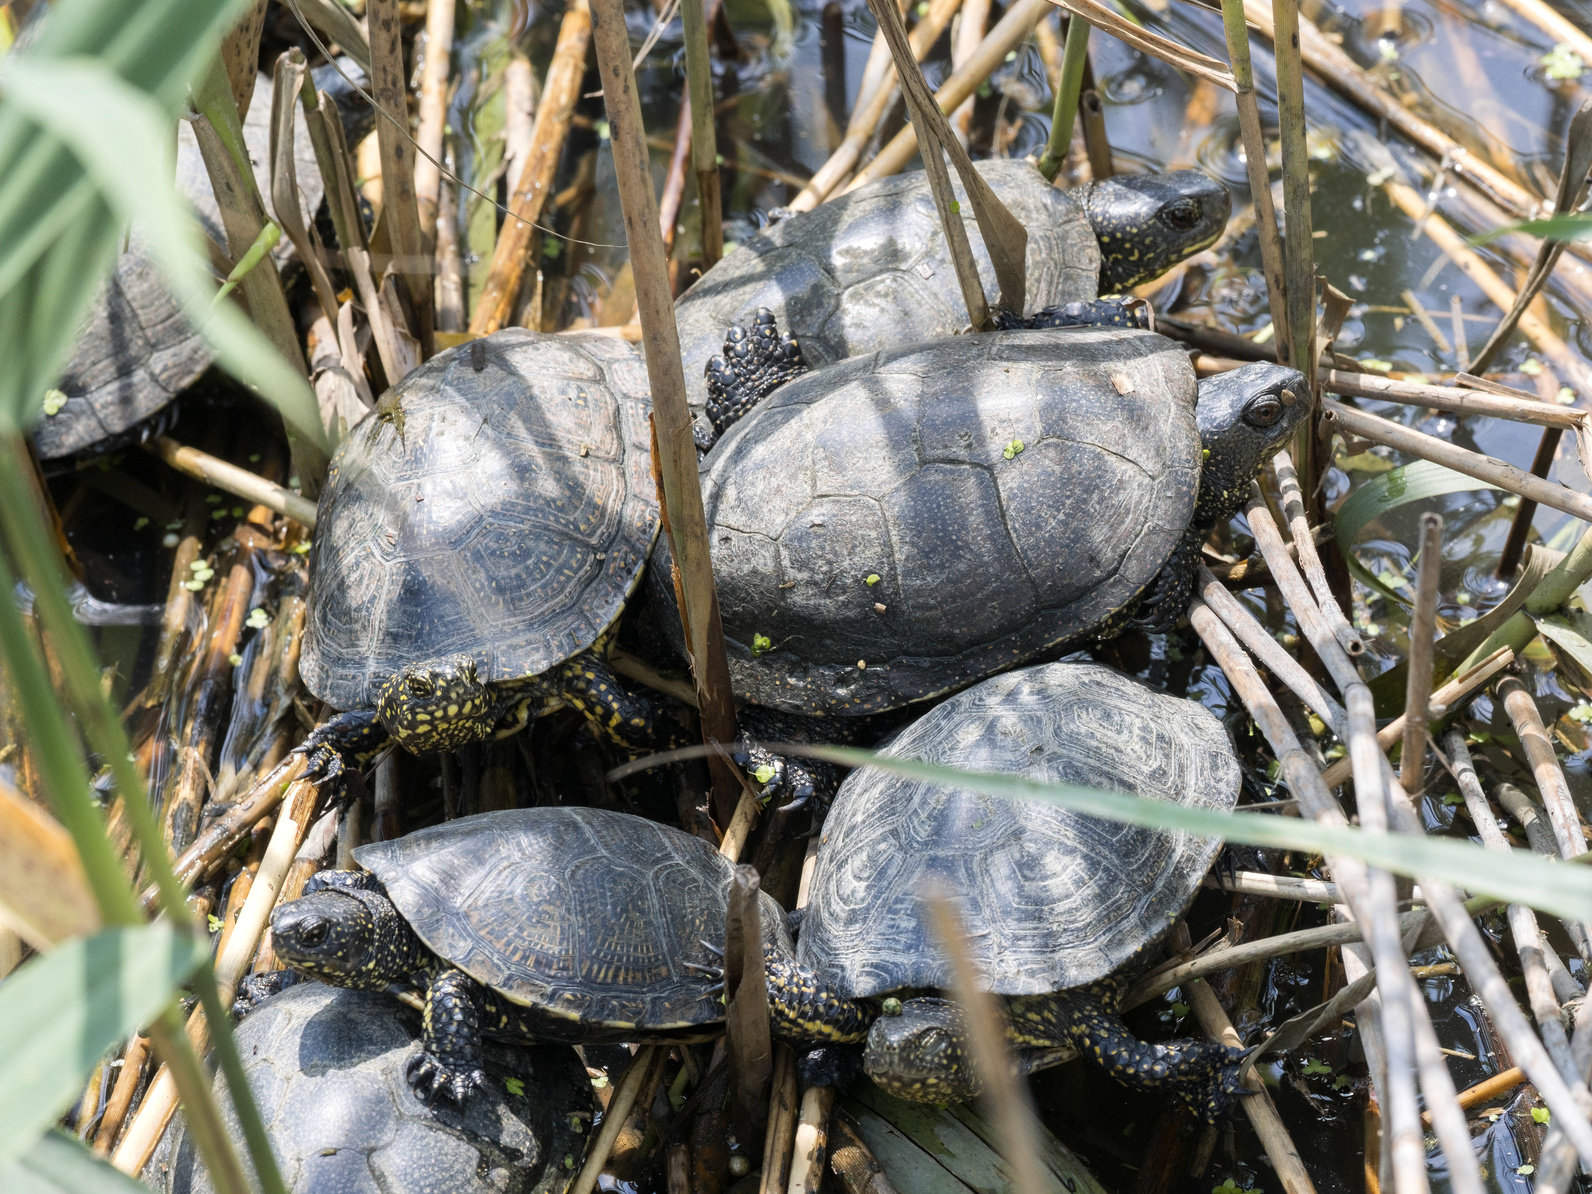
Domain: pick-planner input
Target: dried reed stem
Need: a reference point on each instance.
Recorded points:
(1304, 544)
(1457, 399)
(704, 144)
(433, 112)
(1423, 626)
(389, 84)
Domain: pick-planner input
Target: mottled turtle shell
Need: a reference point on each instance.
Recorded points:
(327, 1070)
(1050, 898)
(504, 514)
(997, 495)
(584, 914)
(871, 270)
(135, 350)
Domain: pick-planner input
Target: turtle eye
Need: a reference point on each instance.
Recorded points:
(1184, 214)
(313, 931)
(1263, 411)
(418, 685)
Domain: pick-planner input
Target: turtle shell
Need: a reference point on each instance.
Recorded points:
(504, 514)
(327, 1070)
(1050, 898)
(584, 914)
(906, 523)
(870, 270)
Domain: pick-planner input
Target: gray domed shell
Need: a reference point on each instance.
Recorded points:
(1006, 492)
(504, 514)
(327, 1070)
(1051, 899)
(579, 912)
(870, 270)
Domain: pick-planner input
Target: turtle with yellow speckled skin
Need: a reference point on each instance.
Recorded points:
(537, 924)
(478, 536)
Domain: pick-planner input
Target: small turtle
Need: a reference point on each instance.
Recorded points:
(870, 270)
(327, 1071)
(136, 351)
(903, 524)
(540, 924)
(1059, 908)
(478, 536)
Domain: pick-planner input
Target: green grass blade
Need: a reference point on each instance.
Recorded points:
(1412, 483)
(126, 158)
(59, 1014)
(1567, 227)
(57, 1164)
(1516, 878)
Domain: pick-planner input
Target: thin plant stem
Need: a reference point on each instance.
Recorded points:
(704, 144)
(1065, 114)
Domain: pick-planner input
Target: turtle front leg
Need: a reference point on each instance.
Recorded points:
(633, 720)
(754, 363)
(449, 1062)
(346, 742)
(801, 1009)
(800, 782)
(1166, 597)
(1098, 313)
(1205, 1075)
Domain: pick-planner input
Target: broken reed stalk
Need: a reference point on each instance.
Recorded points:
(1304, 544)
(749, 1043)
(1254, 140)
(234, 480)
(433, 116)
(127, 1081)
(873, 71)
(1456, 689)
(810, 1156)
(704, 141)
(986, 1031)
(867, 113)
(389, 84)
(674, 447)
(1523, 925)
(338, 23)
(780, 1137)
(288, 78)
(614, 1118)
(1075, 55)
(970, 31)
(853, 1161)
(1461, 460)
(1008, 34)
(1458, 399)
(560, 91)
(1526, 510)
(1423, 627)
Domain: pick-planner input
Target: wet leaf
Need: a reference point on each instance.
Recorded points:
(1313, 1066)
(1541, 1115)
(514, 1086)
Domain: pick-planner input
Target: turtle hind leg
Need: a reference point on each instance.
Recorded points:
(633, 720)
(797, 781)
(339, 744)
(449, 1062)
(755, 361)
(803, 1010)
(1201, 1073)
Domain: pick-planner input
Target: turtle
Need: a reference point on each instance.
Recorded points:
(1059, 908)
(870, 270)
(135, 350)
(897, 526)
(478, 536)
(562, 924)
(327, 1070)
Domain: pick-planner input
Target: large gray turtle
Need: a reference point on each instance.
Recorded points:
(903, 524)
(479, 534)
(565, 924)
(136, 350)
(327, 1070)
(870, 270)
(1058, 907)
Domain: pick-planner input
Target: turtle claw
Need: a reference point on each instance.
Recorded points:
(430, 1077)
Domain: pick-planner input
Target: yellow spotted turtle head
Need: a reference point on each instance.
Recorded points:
(1244, 417)
(1147, 223)
(435, 706)
(921, 1054)
(346, 938)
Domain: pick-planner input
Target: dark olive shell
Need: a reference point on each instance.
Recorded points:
(503, 513)
(1050, 898)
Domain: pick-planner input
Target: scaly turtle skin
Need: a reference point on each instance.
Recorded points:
(327, 1071)
(544, 924)
(479, 534)
(1059, 908)
(135, 350)
(901, 525)
(870, 270)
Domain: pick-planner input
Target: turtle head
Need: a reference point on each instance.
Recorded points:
(436, 706)
(347, 938)
(1147, 223)
(921, 1053)
(1245, 417)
